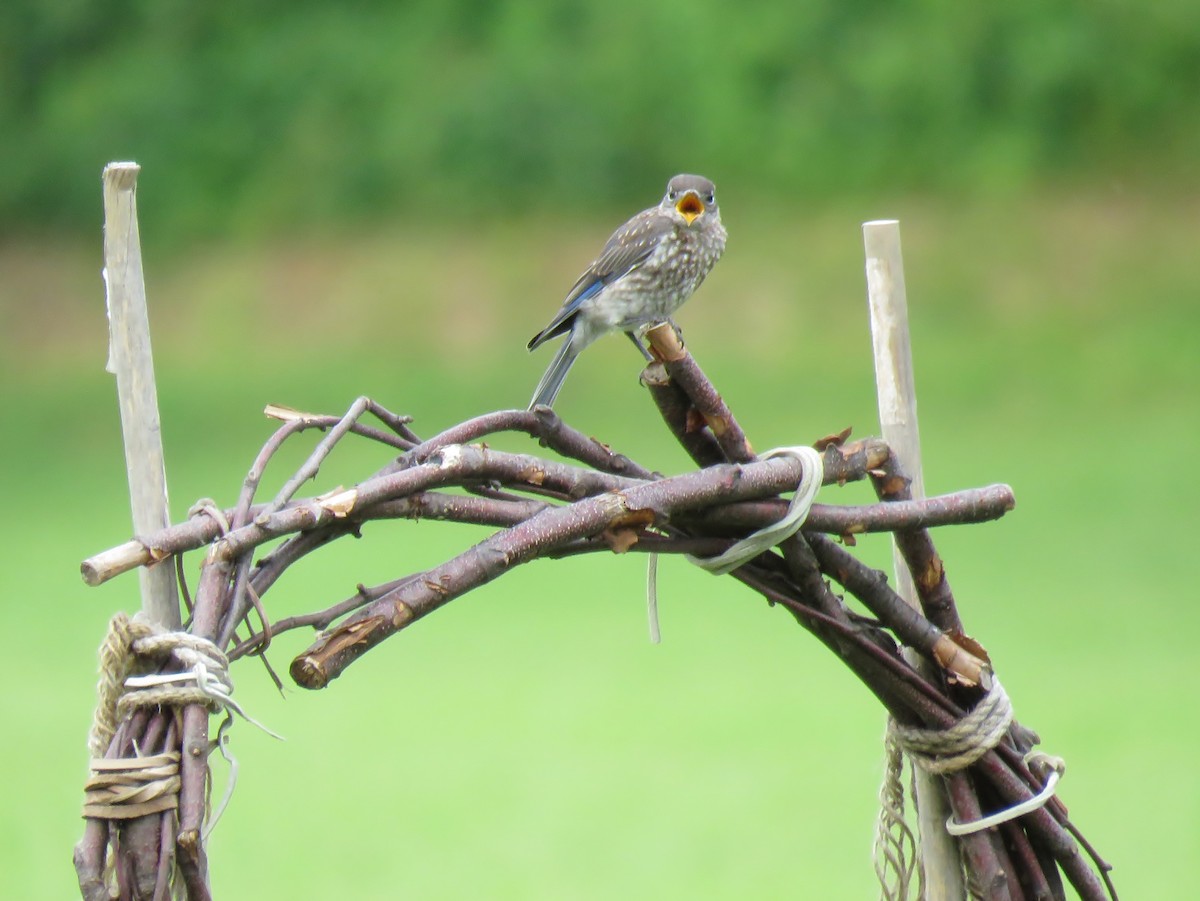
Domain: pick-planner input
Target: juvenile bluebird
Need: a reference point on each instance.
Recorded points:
(648, 268)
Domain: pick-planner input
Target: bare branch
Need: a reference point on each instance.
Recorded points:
(870, 586)
(543, 424)
(642, 503)
(685, 372)
(972, 505)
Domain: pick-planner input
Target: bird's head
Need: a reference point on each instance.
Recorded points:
(692, 196)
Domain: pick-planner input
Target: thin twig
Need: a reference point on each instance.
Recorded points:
(318, 619)
(870, 586)
(543, 424)
(310, 467)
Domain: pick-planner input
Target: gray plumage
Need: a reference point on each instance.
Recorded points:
(648, 268)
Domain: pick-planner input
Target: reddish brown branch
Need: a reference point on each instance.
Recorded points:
(678, 413)
(318, 619)
(972, 505)
(870, 586)
(850, 462)
(928, 571)
(543, 424)
(683, 369)
(643, 503)
(990, 868)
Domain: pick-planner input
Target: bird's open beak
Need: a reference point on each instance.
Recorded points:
(690, 206)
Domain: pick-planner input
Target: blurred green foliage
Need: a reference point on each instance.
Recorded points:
(527, 742)
(270, 114)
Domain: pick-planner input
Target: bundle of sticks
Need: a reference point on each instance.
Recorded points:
(586, 498)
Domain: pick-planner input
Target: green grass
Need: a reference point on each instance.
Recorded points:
(527, 742)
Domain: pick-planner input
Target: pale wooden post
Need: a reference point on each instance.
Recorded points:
(898, 418)
(130, 360)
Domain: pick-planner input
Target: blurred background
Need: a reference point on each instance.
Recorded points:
(389, 199)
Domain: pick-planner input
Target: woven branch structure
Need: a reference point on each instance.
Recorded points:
(587, 499)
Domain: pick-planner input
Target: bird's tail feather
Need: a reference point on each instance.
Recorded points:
(555, 375)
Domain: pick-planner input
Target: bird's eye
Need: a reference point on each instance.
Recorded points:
(671, 195)
(710, 197)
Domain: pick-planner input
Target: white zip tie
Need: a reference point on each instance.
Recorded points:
(769, 536)
(1057, 766)
(215, 685)
(756, 543)
(208, 674)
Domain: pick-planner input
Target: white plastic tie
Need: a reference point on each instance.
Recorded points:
(769, 536)
(758, 542)
(207, 672)
(652, 598)
(1057, 767)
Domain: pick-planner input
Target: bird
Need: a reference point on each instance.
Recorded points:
(648, 268)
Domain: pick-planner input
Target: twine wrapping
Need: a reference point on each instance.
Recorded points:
(936, 751)
(132, 787)
(124, 788)
(895, 851)
(942, 751)
(116, 664)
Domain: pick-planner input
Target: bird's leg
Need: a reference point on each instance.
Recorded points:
(637, 342)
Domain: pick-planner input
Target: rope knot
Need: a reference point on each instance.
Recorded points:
(202, 677)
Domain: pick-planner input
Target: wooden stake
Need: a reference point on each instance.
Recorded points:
(897, 395)
(130, 360)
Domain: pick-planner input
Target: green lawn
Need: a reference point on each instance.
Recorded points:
(528, 742)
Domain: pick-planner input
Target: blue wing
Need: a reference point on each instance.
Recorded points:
(629, 247)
